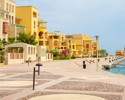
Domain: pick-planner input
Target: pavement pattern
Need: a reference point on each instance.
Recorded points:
(58, 78)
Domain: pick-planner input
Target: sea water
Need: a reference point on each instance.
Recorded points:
(118, 68)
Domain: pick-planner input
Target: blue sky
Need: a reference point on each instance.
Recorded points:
(105, 18)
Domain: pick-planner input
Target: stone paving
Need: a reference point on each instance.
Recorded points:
(59, 77)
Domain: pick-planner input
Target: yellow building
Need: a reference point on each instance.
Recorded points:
(84, 45)
(71, 45)
(54, 41)
(42, 33)
(94, 49)
(7, 17)
(78, 44)
(119, 52)
(28, 16)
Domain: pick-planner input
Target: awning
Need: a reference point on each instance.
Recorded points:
(3, 11)
(18, 19)
(17, 25)
(42, 22)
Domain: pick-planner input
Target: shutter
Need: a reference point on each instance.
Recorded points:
(5, 27)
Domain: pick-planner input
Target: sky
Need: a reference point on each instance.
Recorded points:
(105, 18)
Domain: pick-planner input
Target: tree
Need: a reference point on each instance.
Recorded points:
(55, 52)
(27, 38)
(11, 40)
(102, 53)
(2, 50)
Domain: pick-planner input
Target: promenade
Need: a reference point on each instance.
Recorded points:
(61, 80)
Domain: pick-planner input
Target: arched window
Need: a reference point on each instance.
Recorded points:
(41, 35)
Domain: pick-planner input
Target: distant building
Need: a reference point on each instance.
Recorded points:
(85, 45)
(119, 52)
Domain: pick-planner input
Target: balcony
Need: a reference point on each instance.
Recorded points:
(41, 37)
(3, 11)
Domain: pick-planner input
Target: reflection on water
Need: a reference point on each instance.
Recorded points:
(118, 69)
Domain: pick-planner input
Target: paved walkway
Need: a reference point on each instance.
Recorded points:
(67, 97)
(58, 78)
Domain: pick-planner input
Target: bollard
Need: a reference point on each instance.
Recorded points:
(34, 78)
(84, 65)
(109, 61)
(98, 60)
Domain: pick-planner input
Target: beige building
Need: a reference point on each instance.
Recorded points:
(7, 17)
(20, 53)
(7, 20)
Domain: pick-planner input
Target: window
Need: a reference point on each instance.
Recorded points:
(34, 33)
(7, 6)
(34, 14)
(10, 7)
(87, 45)
(40, 42)
(12, 20)
(94, 48)
(9, 19)
(45, 35)
(41, 35)
(6, 16)
(13, 9)
(55, 37)
(34, 24)
(29, 50)
(34, 51)
(55, 43)
(62, 38)
(5, 27)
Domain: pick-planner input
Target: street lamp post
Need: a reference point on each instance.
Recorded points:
(97, 38)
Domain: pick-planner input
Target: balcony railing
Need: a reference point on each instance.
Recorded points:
(12, 1)
(41, 37)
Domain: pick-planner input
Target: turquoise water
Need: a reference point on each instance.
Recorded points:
(118, 67)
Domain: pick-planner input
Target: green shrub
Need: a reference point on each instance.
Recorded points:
(61, 58)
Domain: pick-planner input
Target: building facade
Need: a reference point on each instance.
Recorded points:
(28, 16)
(85, 45)
(7, 17)
(119, 52)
